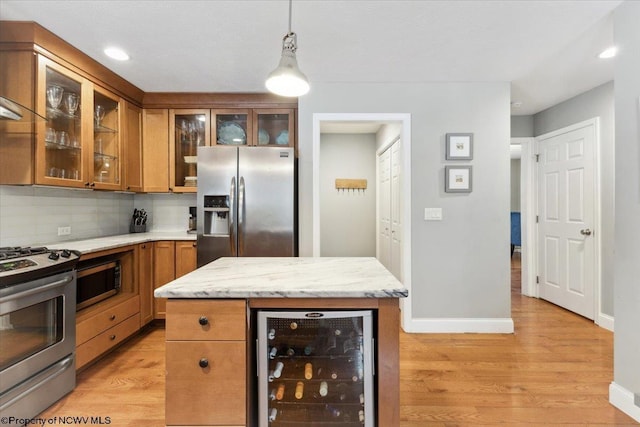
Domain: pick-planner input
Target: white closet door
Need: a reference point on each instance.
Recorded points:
(384, 209)
(396, 210)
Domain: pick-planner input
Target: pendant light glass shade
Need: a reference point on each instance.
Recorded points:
(287, 79)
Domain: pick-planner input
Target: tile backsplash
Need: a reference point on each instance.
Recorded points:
(31, 215)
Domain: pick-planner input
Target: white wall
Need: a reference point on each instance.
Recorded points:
(347, 218)
(626, 367)
(30, 216)
(460, 265)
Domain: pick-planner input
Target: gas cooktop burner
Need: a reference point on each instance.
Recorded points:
(10, 252)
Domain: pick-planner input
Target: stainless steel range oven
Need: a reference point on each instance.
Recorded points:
(37, 330)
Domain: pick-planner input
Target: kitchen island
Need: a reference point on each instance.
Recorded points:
(211, 330)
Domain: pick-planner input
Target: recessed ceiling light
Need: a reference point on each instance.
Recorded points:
(516, 104)
(116, 53)
(609, 52)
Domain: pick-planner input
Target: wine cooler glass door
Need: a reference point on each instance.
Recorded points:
(315, 369)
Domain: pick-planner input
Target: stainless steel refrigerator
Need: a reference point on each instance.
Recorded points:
(246, 202)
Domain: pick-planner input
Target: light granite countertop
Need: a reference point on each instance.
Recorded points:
(110, 242)
(320, 277)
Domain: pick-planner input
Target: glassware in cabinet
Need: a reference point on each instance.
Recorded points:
(189, 129)
(106, 141)
(232, 127)
(62, 138)
(274, 127)
(315, 369)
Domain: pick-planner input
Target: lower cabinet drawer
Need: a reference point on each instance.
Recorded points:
(89, 327)
(93, 348)
(206, 383)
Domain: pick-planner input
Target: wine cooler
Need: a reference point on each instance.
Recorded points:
(315, 369)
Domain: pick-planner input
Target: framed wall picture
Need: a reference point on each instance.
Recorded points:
(459, 146)
(458, 179)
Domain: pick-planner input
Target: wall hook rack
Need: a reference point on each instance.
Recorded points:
(351, 184)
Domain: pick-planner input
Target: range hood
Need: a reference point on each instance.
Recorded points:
(12, 111)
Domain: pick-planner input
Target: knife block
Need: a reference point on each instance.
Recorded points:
(133, 228)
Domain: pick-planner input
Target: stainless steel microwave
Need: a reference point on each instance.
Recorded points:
(98, 279)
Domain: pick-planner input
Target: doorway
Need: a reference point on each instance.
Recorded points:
(402, 124)
(536, 192)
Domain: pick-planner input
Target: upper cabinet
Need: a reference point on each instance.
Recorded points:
(257, 127)
(80, 143)
(188, 130)
(103, 133)
(193, 128)
(273, 127)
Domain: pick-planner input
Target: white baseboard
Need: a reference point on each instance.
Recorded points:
(488, 326)
(605, 321)
(622, 399)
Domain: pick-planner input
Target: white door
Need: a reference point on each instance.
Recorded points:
(384, 209)
(390, 209)
(396, 211)
(566, 246)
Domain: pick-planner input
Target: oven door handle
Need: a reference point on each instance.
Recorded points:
(37, 290)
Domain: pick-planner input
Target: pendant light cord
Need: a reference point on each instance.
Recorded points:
(290, 2)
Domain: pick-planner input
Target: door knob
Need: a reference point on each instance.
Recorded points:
(585, 232)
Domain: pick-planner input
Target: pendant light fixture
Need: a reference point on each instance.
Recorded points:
(287, 79)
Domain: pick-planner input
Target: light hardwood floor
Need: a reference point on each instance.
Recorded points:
(555, 370)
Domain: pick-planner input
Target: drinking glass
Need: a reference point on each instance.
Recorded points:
(99, 114)
(71, 102)
(63, 138)
(50, 135)
(54, 96)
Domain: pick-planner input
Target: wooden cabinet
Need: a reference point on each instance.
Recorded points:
(102, 326)
(145, 280)
(171, 259)
(254, 127)
(186, 257)
(155, 150)
(188, 130)
(133, 155)
(17, 149)
(206, 363)
(80, 144)
(274, 127)
(164, 271)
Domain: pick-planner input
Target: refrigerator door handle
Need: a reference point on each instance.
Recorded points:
(241, 216)
(232, 217)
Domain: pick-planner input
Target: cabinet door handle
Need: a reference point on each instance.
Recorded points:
(112, 317)
(203, 320)
(203, 363)
(112, 337)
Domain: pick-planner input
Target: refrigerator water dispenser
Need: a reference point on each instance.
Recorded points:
(216, 215)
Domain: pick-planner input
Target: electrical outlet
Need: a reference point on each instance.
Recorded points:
(64, 231)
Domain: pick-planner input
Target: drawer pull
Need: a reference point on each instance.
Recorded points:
(203, 362)
(112, 337)
(203, 320)
(112, 317)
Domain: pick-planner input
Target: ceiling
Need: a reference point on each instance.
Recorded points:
(546, 49)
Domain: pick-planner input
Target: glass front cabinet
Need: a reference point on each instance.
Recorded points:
(188, 130)
(79, 145)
